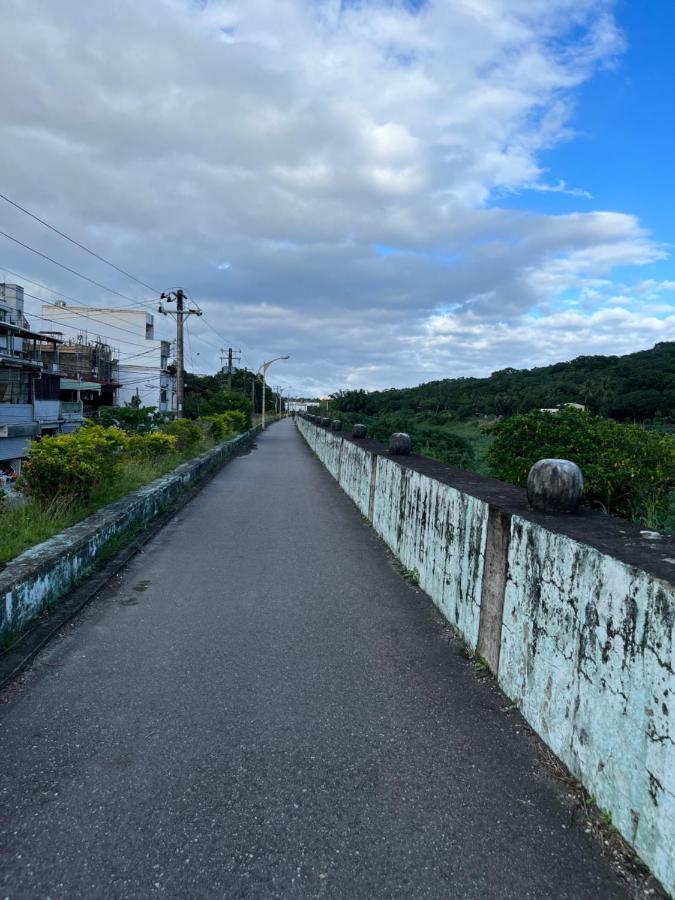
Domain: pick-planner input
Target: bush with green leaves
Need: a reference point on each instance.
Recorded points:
(151, 446)
(228, 423)
(628, 470)
(133, 420)
(72, 465)
(188, 434)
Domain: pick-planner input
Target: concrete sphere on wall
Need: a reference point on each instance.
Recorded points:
(325, 422)
(359, 431)
(400, 443)
(555, 486)
(336, 425)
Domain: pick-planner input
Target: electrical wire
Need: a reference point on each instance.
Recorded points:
(57, 293)
(75, 272)
(78, 244)
(74, 328)
(135, 303)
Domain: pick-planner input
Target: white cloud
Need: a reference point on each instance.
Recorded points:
(559, 188)
(292, 137)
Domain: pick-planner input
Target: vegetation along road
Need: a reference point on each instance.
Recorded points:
(261, 706)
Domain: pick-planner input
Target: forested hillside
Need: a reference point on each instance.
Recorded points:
(637, 387)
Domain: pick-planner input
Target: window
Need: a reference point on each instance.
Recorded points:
(48, 387)
(162, 395)
(14, 386)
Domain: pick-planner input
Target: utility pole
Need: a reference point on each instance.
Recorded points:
(181, 314)
(232, 355)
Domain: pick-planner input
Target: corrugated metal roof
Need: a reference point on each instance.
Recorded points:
(72, 384)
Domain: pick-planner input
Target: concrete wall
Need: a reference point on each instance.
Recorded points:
(575, 616)
(43, 574)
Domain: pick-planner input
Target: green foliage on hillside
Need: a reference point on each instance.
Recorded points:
(627, 469)
(207, 395)
(429, 438)
(637, 387)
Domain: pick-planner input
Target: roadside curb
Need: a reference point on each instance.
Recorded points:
(39, 578)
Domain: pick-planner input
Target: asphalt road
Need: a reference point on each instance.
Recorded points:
(261, 706)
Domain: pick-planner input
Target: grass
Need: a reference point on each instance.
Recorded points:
(472, 430)
(412, 575)
(31, 523)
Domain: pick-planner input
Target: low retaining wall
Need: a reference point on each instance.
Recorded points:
(40, 576)
(574, 614)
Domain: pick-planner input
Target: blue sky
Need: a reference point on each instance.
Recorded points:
(623, 148)
(389, 191)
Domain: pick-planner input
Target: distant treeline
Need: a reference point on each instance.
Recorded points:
(638, 387)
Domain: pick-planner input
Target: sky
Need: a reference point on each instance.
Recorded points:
(388, 191)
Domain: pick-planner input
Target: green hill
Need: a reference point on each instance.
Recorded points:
(638, 387)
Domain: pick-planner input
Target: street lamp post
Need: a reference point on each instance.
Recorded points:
(263, 368)
(280, 404)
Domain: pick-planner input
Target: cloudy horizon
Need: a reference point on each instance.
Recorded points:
(390, 192)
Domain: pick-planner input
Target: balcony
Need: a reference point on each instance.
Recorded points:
(72, 410)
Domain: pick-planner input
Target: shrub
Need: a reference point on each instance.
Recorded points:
(221, 424)
(216, 427)
(151, 446)
(627, 469)
(133, 420)
(72, 465)
(187, 433)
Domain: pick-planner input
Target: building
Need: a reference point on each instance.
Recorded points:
(298, 404)
(29, 389)
(88, 369)
(143, 371)
(556, 409)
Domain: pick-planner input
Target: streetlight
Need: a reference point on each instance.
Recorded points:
(280, 391)
(264, 367)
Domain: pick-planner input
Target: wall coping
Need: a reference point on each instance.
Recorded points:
(630, 543)
(43, 556)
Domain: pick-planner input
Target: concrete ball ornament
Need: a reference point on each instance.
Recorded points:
(555, 486)
(400, 443)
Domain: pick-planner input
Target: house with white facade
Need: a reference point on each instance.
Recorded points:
(143, 369)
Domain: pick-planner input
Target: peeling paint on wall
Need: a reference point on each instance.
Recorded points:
(438, 531)
(588, 653)
(587, 644)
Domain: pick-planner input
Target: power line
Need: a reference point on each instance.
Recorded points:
(84, 316)
(91, 253)
(78, 244)
(57, 293)
(193, 365)
(75, 272)
(72, 311)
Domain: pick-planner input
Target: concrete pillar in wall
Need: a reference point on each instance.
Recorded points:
(493, 586)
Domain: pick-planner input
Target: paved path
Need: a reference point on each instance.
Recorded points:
(260, 706)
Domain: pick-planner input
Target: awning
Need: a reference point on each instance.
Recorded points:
(72, 384)
(21, 332)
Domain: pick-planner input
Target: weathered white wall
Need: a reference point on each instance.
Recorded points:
(355, 474)
(439, 532)
(587, 651)
(586, 643)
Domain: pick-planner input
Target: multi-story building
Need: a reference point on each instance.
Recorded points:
(143, 374)
(88, 368)
(29, 389)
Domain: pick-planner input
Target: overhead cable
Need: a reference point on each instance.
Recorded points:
(78, 244)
